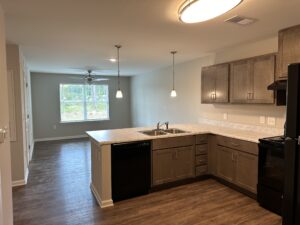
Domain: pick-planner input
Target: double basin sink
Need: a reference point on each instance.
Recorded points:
(163, 132)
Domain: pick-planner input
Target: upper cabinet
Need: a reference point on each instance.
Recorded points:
(288, 50)
(249, 79)
(214, 84)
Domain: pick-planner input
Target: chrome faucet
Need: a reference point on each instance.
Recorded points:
(158, 125)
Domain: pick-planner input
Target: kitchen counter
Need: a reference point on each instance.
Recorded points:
(106, 137)
(101, 147)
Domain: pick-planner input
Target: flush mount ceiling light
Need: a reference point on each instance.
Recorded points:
(119, 93)
(194, 11)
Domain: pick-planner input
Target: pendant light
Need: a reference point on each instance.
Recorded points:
(173, 92)
(119, 93)
(194, 11)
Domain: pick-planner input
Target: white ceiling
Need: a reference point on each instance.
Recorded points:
(62, 35)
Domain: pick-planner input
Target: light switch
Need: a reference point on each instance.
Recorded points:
(54, 127)
(225, 116)
(271, 121)
(262, 119)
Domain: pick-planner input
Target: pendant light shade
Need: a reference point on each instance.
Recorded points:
(119, 93)
(194, 11)
(173, 92)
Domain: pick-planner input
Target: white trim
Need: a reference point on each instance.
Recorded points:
(102, 204)
(26, 175)
(23, 182)
(18, 183)
(60, 138)
(32, 149)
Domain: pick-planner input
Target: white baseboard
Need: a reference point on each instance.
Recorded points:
(102, 204)
(22, 182)
(17, 183)
(60, 138)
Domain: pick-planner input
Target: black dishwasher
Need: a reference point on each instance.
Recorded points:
(131, 169)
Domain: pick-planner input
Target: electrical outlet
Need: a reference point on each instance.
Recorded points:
(271, 121)
(225, 116)
(262, 119)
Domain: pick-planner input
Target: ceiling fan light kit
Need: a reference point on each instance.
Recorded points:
(194, 11)
(119, 93)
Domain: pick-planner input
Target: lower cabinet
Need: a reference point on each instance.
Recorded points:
(225, 165)
(172, 164)
(247, 171)
(237, 167)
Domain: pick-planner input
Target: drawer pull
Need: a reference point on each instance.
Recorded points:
(235, 145)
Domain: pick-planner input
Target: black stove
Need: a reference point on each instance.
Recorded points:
(277, 140)
(271, 173)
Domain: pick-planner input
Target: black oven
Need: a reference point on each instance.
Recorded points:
(271, 173)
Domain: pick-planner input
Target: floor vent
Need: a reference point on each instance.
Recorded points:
(240, 20)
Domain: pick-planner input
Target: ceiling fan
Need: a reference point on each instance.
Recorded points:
(90, 78)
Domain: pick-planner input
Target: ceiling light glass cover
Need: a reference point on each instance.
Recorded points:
(194, 11)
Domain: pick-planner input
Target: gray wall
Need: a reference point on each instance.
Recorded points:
(46, 111)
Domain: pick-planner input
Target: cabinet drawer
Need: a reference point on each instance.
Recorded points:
(201, 149)
(245, 146)
(201, 139)
(201, 170)
(201, 159)
(173, 142)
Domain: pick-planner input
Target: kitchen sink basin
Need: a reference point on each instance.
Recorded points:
(175, 131)
(153, 132)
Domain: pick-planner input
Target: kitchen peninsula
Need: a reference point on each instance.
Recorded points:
(228, 152)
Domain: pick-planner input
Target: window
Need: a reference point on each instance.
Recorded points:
(83, 102)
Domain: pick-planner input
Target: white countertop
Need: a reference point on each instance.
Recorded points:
(106, 137)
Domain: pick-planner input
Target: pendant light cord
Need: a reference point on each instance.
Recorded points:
(173, 52)
(118, 55)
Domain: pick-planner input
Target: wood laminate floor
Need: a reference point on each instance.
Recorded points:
(58, 193)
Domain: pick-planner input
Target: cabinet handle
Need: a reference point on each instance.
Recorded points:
(232, 156)
(252, 96)
(234, 144)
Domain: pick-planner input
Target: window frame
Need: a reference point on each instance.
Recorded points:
(85, 120)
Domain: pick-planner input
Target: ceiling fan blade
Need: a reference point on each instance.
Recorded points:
(100, 79)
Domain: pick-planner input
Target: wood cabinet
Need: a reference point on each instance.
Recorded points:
(288, 50)
(237, 162)
(225, 166)
(215, 84)
(246, 170)
(162, 166)
(201, 155)
(250, 78)
(240, 85)
(173, 159)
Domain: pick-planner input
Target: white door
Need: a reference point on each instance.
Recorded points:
(6, 217)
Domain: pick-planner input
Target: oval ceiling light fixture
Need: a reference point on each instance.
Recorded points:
(194, 11)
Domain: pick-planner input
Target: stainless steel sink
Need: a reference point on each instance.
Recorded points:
(153, 132)
(175, 131)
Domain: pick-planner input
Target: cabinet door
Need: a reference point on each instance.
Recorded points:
(246, 171)
(222, 83)
(225, 163)
(240, 81)
(288, 50)
(208, 84)
(163, 166)
(262, 75)
(184, 163)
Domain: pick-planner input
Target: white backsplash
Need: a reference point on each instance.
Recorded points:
(260, 129)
